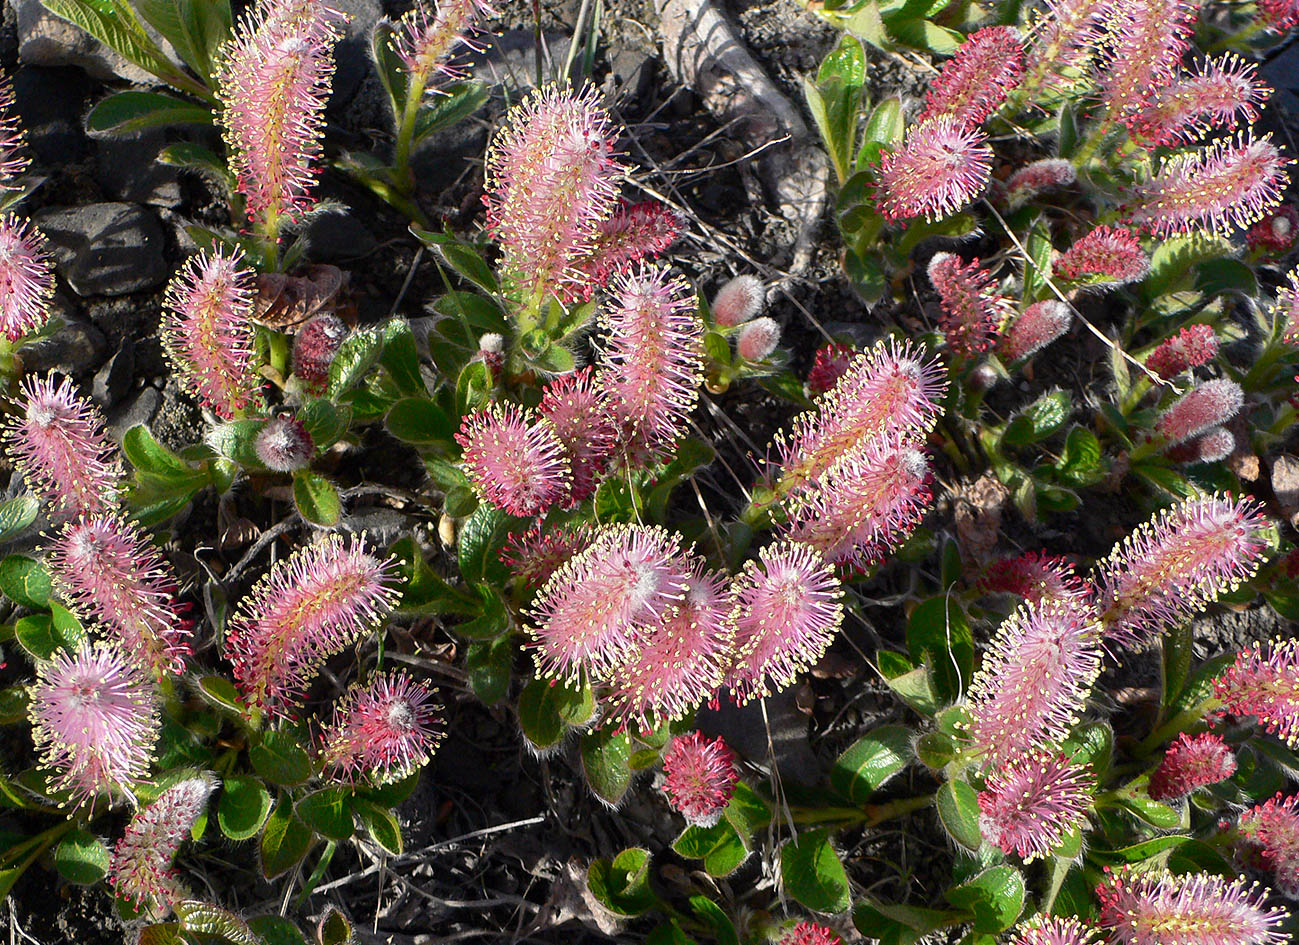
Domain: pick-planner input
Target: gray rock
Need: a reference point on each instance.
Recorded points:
(47, 40)
(631, 72)
(77, 347)
(352, 54)
(50, 104)
(140, 407)
(1282, 73)
(338, 237)
(113, 380)
(127, 168)
(746, 731)
(510, 62)
(106, 248)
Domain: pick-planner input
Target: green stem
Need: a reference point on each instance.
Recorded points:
(41, 842)
(402, 176)
(1093, 142)
(1179, 722)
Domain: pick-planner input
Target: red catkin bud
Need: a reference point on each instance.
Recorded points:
(1192, 346)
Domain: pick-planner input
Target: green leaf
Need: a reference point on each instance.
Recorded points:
(237, 440)
(1138, 852)
(381, 825)
(885, 127)
(915, 688)
(127, 112)
(488, 663)
(899, 924)
(1039, 251)
(669, 934)
(958, 809)
(1068, 140)
(40, 638)
(835, 100)
(195, 157)
(328, 813)
(1091, 744)
(1039, 420)
(147, 455)
(424, 592)
(334, 929)
(212, 921)
(1219, 276)
(461, 257)
(1177, 646)
(924, 34)
(316, 499)
(358, 353)
(1175, 258)
(458, 101)
(606, 761)
(1080, 460)
(479, 544)
(326, 422)
(115, 24)
(25, 581)
(195, 28)
(1152, 812)
(389, 66)
(14, 703)
(420, 421)
(280, 758)
(710, 912)
(995, 897)
(17, 515)
(870, 761)
(285, 841)
(539, 716)
(81, 858)
(243, 808)
(275, 930)
(221, 692)
(939, 634)
(622, 886)
(813, 875)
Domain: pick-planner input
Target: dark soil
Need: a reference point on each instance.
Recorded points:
(497, 839)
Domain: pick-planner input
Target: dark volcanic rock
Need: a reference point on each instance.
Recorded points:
(106, 248)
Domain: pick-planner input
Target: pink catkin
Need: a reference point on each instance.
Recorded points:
(314, 347)
(1204, 909)
(738, 300)
(14, 159)
(382, 730)
(1179, 562)
(594, 612)
(274, 83)
(652, 363)
(809, 933)
(681, 661)
(1147, 40)
(552, 182)
(26, 278)
(1034, 679)
(1263, 683)
(515, 460)
(1055, 930)
(1064, 44)
(1226, 185)
(941, 166)
(1279, 15)
(56, 438)
(1038, 178)
(1222, 93)
(830, 363)
(700, 777)
(109, 571)
(1191, 761)
(1273, 829)
(1276, 233)
(1106, 256)
(1036, 327)
(1209, 405)
(141, 869)
(426, 42)
(894, 392)
(788, 608)
(284, 444)
(1033, 576)
(315, 603)
(534, 555)
(1191, 347)
(973, 83)
(209, 335)
(1211, 446)
(864, 505)
(1029, 806)
(973, 310)
(756, 340)
(576, 406)
(635, 232)
(94, 721)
